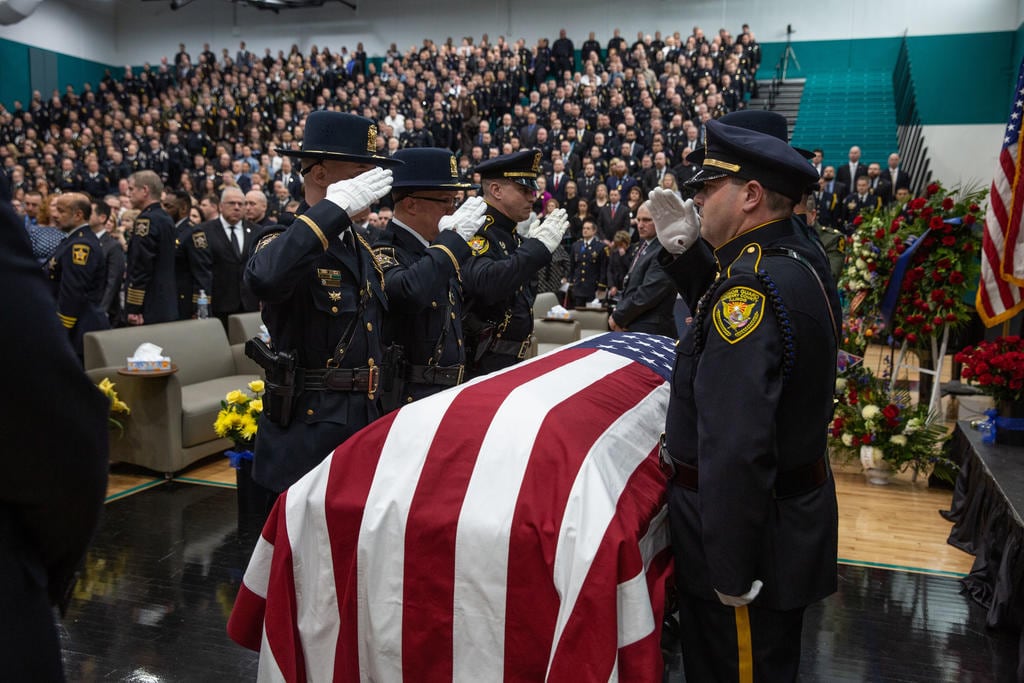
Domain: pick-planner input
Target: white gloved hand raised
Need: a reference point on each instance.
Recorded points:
(551, 229)
(675, 221)
(355, 194)
(740, 600)
(467, 219)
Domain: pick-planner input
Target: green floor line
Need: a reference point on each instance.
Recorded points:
(919, 570)
(134, 489)
(206, 482)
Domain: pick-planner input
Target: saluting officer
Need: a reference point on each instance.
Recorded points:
(422, 251)
(497, 280)
(78, 271)
(323, 301)
(150, 290)
(752, 500)
(193, 262)
(588, 261)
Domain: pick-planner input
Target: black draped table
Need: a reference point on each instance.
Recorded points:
(986, 516)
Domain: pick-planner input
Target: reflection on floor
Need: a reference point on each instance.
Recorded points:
(164, 569)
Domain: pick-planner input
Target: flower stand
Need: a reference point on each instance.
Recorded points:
(939, 354)
(876, 470)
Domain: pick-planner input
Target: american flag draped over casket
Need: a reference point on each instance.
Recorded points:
(513, 528)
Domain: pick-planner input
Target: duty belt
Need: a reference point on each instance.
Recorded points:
(343, 379)
(433, 374)
(794, 482)
(510, 348)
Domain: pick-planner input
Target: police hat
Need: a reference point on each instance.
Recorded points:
(767, 122)
(342, 137)
(522, 167)
(753, 155)
(427, 168)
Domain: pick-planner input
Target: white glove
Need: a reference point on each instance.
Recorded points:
(355, 194)
(740, 600)
(551, 230)
(675, 221)
(467, 219)
(525, 227)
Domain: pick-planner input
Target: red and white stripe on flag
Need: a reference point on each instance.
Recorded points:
(513, 528)
(1002, 254)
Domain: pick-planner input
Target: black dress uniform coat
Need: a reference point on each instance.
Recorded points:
(150, 286)
(424, 290)
(498, 288)
(588, 263)
(229, 295)
(192, 264)
(648, 296)
(751, 397)
(51, 493)
(78, 274)
(853, 205)
(316, 290)
(114, 258)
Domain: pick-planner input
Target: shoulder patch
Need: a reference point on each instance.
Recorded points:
(141, 227)
(738, 312)
(479, 245)
(385, 257)
(267, 239)
(199, 239)
(80, 254)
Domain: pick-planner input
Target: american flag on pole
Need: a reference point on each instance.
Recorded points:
(1002, 255)
(510, 529)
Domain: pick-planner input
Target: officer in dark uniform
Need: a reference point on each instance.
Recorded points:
(193, 262)
(588, 261)
(78, 271)
(833, 241)
(422, 251)
(323, 302)
(150, 292)
(752, 499)
(862, 199)
(497, 280)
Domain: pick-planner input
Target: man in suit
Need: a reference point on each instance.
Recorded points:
(612, 217)
(648, 295)
(422, 251)
(831, 212)
(557, 181)
(51, 494)
(848, 173)
(878, 183)
(653, 176)
(230, 238)
(255, 210)
(114, 260)
(150, 291)
(77, 271)
(193, 260)
(817, 160)
(586, 184)
(897, 176)
(322, 301)
(291, 180)
(528, 133)
(861, 200)
(831, 185)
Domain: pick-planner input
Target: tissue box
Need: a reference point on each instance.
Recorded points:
(148, 365)
(560, 315)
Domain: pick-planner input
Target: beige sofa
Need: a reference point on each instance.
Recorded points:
(171, 424)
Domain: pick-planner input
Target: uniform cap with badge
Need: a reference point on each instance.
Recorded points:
(751, 154)
(341, 137)
(427, 168)
(520, 167)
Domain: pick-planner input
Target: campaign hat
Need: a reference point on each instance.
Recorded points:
(341, 137)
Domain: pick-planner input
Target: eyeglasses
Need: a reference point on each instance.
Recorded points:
(451, 201)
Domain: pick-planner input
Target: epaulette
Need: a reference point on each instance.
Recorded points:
(267, 239)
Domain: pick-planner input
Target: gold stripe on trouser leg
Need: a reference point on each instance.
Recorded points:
(744, 646)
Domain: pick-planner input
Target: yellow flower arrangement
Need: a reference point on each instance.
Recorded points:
(239, 414)
(117, 406)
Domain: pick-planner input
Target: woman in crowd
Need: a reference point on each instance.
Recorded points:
(618, 263)
(543, 196)
(600, 199)
(581, 214)
(634, 199)
(670, 182)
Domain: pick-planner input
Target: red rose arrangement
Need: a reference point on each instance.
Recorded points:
(996, 367)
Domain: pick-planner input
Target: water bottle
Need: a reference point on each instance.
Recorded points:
(202, 305)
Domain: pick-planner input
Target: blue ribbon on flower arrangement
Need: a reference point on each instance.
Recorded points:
(899, 271)
(235, 458)
(994, 423)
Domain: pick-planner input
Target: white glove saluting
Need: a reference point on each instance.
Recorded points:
(467, 219)
(551, 230)
(355, 194)
(675, 221)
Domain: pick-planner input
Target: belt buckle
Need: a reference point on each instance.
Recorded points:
(373, 381)
(523, 348)
(665, 460)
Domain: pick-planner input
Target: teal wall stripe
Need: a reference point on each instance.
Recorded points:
(15, 84)
(27, 68)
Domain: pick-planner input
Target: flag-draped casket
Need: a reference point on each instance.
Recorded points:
(513, 528)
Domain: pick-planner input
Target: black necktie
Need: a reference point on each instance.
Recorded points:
(234, 241)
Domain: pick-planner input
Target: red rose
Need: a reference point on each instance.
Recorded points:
(968, 248)
(948, 241)
(947, 203)
(956, 277)
(935, 223)
(932, 188)
(951, 317)
(918, 203)
(912, 338)
(872, 266)
(944, 263)
(879, 234)
(937, 320)
(898, 332)
(969, 219)
(974, 208)
(929, 241)
(858, 220)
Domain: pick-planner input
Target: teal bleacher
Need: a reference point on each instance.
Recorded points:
(840, 109)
